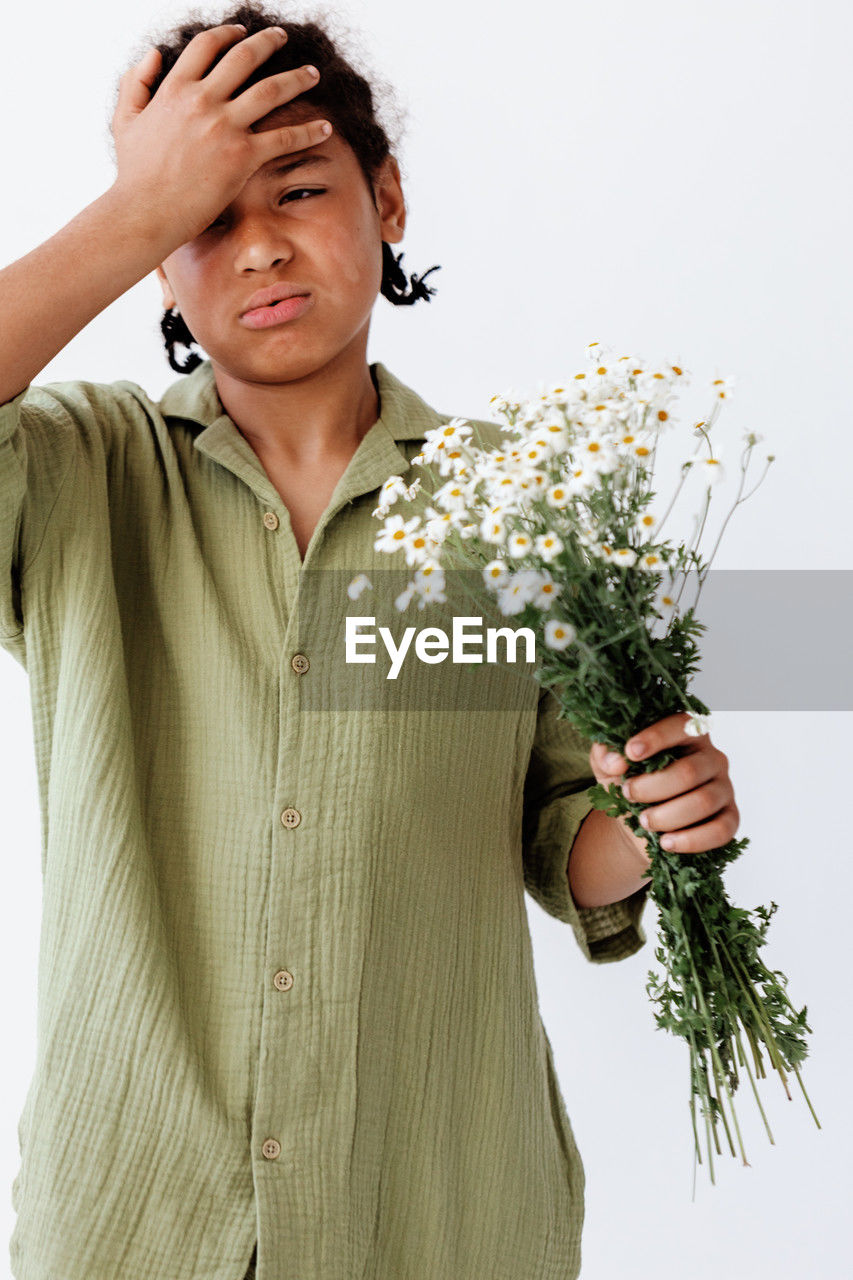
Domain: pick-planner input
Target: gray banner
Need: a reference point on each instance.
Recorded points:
(776, 640)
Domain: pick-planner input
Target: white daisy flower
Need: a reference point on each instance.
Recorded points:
(558, 496)
(626, 556)
(597, 453)
(711, 470)
(439, 440)
(548, 591)
(519, 544)
(419, 548)
(696, 725)
(492, 527)
(404, 598)
(395, 532)
(651, 562)
(722, 387)
(451, 461)
(439, 524)
(452, 496)
(558, 635)
(646, 522)
(518, 591)
(535, 451)
(665, 603)
(548, 545)
(429, 585)
(495, 574)
(393, 488)
(582, 478)
(360, 583)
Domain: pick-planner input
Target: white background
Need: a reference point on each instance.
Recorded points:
(673, 180)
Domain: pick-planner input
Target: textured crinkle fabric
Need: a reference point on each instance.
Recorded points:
(285, 980)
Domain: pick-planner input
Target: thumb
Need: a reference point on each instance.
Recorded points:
(135, 86)
(606, 764)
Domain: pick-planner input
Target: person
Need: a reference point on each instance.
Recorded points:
(287, 1011)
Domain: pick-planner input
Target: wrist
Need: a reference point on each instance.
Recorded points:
(636, 846)
(129, 214)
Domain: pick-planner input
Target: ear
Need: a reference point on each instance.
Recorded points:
(168, 296)
(390, 202)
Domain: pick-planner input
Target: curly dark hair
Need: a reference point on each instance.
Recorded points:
(342, 95)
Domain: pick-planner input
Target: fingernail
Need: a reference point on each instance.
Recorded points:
(636, 749)
(644, 820)
(626, 790)
(612, 760)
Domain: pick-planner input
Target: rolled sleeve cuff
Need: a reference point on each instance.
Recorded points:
(604, 934)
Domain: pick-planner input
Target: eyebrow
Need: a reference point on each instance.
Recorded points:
(286, 165)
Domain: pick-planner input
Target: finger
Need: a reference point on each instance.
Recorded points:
(668, 732)
(710, 835)
(242, 59)
(606, 762)
(683, 811)
(134, 90)
(195, 59)
(674, 779)
(290, 137)
(271, 92)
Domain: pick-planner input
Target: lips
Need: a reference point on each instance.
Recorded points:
(277, 312)
(272, 294)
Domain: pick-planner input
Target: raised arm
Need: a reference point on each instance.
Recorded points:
(183, 153)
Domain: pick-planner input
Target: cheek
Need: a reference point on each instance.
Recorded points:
(355, 255)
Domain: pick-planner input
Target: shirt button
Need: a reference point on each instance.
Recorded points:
(283, 980)
(271, 1149)
(271, 519)
(299, 663)
(291, 817)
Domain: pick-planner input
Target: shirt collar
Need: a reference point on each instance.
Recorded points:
(402, 411)
(380, 453)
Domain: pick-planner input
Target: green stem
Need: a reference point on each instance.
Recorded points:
(734, 1022)
(719, 1074)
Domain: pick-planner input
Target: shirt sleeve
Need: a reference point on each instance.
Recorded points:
(38, 443)
(556, 801)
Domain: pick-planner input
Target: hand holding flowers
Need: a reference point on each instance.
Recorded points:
(692, 798)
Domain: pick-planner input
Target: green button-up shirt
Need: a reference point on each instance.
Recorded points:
(286, 986)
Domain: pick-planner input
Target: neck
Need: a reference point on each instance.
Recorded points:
(323, 414)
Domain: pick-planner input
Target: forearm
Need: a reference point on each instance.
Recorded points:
(53, 292)
(607, 862)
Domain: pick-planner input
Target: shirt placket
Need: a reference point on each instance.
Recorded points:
(304, 1112)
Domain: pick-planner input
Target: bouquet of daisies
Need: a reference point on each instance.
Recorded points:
(560, 518)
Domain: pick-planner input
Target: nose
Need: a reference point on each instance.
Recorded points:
(260, 243)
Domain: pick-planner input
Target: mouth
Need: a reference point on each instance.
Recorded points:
(276, 312)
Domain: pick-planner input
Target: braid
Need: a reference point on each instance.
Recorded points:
(394, 282)
(175, 329)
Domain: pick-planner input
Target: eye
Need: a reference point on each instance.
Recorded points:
(302, 191)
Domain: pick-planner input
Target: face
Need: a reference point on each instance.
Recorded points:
(314, 226)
